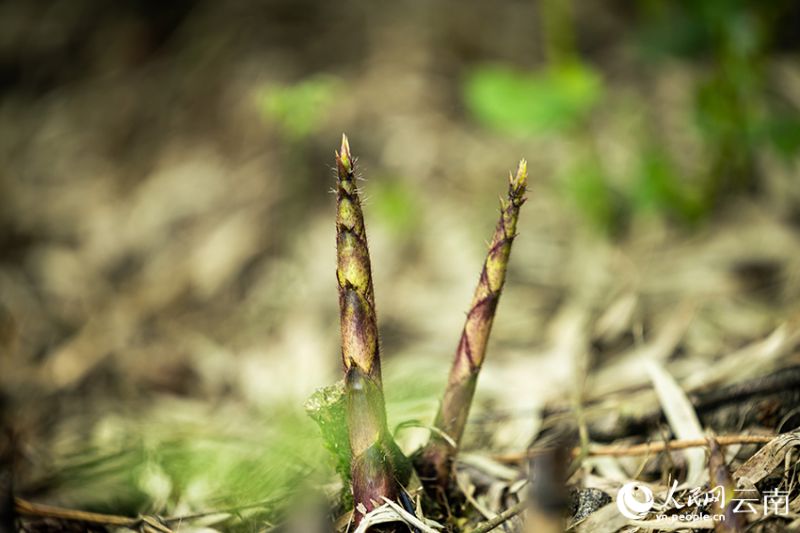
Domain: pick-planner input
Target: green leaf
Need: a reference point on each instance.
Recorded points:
(784, 133)
(532, 103)
(298, 109)
(394, 203)
(587, 187)
(659, 189)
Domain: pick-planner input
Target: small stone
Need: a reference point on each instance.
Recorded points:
(586, 501)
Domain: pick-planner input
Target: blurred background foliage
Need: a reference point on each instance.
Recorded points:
(299, 108)
(166, 235)
(735, 109)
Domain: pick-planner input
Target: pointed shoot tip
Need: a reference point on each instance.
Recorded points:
(522, 171)
(343, 157)
(520, 180)
(345, 149)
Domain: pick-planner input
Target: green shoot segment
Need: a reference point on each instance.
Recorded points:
(436, 460)
(372, 448)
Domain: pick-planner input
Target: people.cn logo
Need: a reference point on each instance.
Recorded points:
(634, 500)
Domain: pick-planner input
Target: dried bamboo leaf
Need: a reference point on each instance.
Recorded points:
(617, 318)
(626, 371)
(766, 460)
(759, 357)
(681, 417)
(390, 512)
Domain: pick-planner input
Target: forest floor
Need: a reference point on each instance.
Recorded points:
(168, 300)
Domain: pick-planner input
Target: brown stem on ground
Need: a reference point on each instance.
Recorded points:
(548, 466)
(7, 453)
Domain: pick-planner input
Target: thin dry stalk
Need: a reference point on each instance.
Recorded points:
(647, 448)
(38, 510)
(547, 476)
(7, 512)
(497, 521)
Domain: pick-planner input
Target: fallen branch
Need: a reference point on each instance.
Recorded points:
(645, 448)
(506, 515)
(40, 510)
(26, 508)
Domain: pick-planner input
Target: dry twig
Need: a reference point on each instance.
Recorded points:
(645, 448)
(506, 515)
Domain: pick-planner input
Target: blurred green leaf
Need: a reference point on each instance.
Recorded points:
(525, 103)
(394, 203)
(157, 464)
(676, 34)
(784, 134)
(587, 188)
(298, 109)
(734, 97)
(658, 189)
